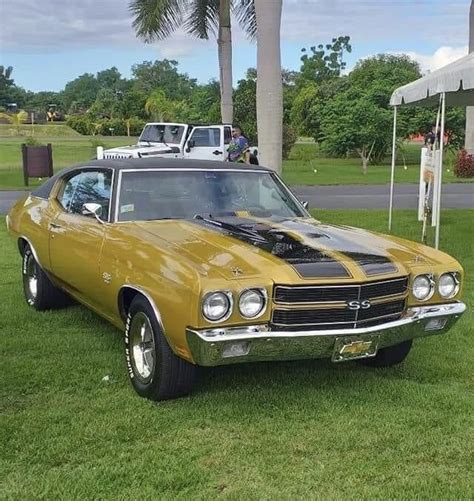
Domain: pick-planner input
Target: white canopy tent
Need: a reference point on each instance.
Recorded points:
(452, 85)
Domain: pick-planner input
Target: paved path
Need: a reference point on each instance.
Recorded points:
(455, 196)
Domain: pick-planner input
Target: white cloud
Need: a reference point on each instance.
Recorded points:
(440, 58)
(59, 24)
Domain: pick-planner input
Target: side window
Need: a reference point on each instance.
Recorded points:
(206, 137)
(87, 187)
(68, 192)
(227, 135)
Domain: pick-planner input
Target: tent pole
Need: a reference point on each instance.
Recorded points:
(392, 174)
(440, 174)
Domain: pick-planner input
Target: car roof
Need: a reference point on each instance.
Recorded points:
(166, 163)
(144, 163)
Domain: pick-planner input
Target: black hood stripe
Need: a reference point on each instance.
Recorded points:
(307, 261)
(335, 239)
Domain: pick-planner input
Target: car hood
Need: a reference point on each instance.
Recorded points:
(291, 250)
(137, 151)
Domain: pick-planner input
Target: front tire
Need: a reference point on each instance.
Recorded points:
(155, 371)
(39, 291)
(387, 357)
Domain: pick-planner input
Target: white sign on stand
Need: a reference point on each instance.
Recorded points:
(429, 179)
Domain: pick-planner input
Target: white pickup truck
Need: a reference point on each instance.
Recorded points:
(175, 140)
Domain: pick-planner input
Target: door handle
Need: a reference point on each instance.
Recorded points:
(55, 225)
(217, 152)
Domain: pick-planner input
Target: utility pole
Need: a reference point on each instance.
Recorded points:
(469, 142)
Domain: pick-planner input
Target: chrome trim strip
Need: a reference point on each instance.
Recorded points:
(151, 169)
(335, 305)
(150, 300)
(33, 250)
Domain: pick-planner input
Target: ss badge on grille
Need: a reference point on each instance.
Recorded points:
(359, 305)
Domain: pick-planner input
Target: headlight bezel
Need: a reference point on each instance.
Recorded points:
(432, 285)
(230, 300)
(262, 292)
(457, 285)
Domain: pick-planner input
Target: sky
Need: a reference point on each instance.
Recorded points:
(50, 42)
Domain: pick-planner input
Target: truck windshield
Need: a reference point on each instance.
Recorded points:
(185, 194)
(162, 133)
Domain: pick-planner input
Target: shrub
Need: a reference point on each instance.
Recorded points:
(88, 127)
(81, 124)
(32, 141)
(464, 166)
(289, 139)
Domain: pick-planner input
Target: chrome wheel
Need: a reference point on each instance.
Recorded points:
(142, 347)
(30, 278)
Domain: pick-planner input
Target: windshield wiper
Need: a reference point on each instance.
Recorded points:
(233, 228)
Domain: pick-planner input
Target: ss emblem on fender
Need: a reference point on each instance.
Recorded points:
(359, 305)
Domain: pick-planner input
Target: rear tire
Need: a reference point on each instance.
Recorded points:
(155, 371)
(387, 357)
(39, 291)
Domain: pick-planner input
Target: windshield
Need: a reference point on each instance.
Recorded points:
(184, 194)
(162, 133)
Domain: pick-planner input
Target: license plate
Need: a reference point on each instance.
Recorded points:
(351, 348)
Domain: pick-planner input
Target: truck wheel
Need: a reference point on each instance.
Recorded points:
(38, 289)
(392, 355)
(155, 371)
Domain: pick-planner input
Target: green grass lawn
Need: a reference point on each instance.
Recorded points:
(67, 151)
(306, 165)
(299, 430)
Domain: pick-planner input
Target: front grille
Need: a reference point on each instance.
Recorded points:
(117, 155)
(334, 293)
(377, 302)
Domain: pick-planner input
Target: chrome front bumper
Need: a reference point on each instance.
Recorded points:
(230, 345)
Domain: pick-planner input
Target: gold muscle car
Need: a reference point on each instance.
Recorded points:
(205, 263)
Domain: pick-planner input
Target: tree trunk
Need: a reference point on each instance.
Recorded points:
(224, 46)
(469, 139)
(365, 159)
(269, 83)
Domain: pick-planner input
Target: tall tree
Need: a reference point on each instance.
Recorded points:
(157, 19)
(269, 83)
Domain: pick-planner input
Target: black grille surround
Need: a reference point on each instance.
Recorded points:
(326, 307)
(301, 294)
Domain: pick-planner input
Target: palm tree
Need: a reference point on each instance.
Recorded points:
(16, 119)
(160, 107)
(269, 83)
(157, 19)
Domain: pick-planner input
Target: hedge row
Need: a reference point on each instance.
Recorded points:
(105, 126)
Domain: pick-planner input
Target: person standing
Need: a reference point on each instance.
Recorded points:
(238, 150)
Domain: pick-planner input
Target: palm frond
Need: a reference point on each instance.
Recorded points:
(245, 13)
(156, 19)
(202, 18)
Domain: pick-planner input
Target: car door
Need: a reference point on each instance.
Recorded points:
(76, 239)
(206, 143)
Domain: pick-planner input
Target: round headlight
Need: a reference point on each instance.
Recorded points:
(251, 303)
(216, 306)
(447, 285)
(423, 287)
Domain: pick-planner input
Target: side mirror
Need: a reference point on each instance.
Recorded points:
(92, 209)
(190, 145)
(306, 205)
